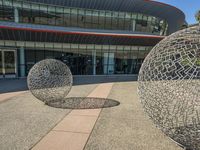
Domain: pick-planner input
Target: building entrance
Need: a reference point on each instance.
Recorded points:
(8, 63)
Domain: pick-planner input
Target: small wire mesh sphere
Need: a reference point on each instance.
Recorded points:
(49, 80)
(169, 86)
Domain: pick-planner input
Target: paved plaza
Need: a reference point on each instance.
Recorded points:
(26, 123)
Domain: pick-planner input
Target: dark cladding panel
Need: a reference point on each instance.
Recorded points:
(25, 35)
(5, 34)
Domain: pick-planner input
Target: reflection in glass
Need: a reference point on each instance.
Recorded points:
(9, 59)
(1, 65)
(116, 59)
(83, 18)
(6, 13)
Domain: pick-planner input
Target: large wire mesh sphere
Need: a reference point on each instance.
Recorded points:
(50, 80)
(169, 86)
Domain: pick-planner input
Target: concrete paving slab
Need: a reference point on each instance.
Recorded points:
(78, 123)
(6, 96)
(86, 112)
(102, 90)
(73, 123)
(67, 141)
(123, 111)
(127, 134)
(24, 120)
(126, 127)
(82, 90)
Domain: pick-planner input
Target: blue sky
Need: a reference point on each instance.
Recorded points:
(189, 7)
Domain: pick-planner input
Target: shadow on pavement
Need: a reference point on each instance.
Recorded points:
(12, 85)
(16, 85)
(83, 103)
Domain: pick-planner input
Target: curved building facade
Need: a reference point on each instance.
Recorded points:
(98, 37)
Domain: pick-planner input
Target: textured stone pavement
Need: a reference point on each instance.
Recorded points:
(74, 130)
(126, 127)
(24, 120)
(25, 123)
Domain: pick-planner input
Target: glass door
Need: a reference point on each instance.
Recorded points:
(8, 63)
(1, 65)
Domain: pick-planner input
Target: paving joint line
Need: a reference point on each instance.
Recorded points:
(55, 125)
(71, 131)
(49, 131)
(96, 120)
(83, 115)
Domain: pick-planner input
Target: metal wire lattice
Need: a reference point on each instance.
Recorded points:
(169, 86)
(49, 80)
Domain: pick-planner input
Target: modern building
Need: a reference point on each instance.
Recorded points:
(93, 37)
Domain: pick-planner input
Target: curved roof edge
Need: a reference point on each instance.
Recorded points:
(166, 5)
(175, 18)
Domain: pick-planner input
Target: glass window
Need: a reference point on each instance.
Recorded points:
(66, 10)
(44, 8)
(49, 54)
(95, 19)
(122, 14)
(139, 16)
(134, 16)
(115, 59)
(149, 18)
(66, 17)
(30, 59)
(128, 15)
(108, 21)
(74, 18)
(83, 18)
(39, 55)
(127, 24)
(145, 17)
(88, 19)
(6, 13)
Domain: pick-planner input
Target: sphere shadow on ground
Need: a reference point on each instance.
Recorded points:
(83, 103)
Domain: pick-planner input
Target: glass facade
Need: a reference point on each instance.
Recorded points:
(34, 13)
(92, 59)
(83, 57)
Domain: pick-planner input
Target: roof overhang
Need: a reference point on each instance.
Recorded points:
(43, 33)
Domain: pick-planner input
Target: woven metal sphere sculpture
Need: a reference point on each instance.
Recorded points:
(50, 80)
(169, 86)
